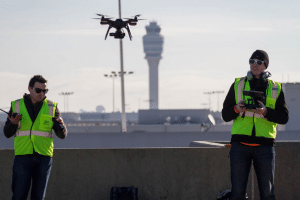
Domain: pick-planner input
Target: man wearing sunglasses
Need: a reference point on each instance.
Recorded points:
(33, 139)
(254, 130)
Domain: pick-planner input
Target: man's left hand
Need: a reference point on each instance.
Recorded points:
(59, 119)
(262, 111)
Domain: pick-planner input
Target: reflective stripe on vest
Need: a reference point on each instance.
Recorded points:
(38, 133)
(17, 106)
(51, 110)
(252, 114)
(240, 90)
(274, 90)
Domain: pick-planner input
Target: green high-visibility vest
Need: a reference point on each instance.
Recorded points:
(263, 127)
(37, 135)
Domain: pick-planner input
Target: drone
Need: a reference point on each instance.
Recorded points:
(118, 24)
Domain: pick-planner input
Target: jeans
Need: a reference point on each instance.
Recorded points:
(30, 168)
(241, 157)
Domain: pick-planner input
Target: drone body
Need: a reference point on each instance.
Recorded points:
(118, 24)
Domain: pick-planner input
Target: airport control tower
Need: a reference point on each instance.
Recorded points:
(153, 47)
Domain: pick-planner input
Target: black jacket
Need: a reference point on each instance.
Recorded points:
(33, 110)
(280, 115)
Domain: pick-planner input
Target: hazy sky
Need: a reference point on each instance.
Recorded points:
(207, 44)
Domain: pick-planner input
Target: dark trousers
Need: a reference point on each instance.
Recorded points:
(27, 170)
(241, 157)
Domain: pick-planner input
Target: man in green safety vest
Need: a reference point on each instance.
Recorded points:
(256, 105)
(31, 120)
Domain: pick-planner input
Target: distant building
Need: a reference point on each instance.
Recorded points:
(108, 116)
(292, 98)
(99, 118)
(153, 47)
(173, 116)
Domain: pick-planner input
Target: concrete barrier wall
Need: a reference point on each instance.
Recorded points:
(159, 173)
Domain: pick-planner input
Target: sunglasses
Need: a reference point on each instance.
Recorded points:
(38, 90)
(258, 62)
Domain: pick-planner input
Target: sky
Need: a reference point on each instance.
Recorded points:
(207, 44)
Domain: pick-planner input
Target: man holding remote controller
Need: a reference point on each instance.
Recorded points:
(33, 139)
(256, 105)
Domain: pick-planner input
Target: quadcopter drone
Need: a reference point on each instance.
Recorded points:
(118, 24)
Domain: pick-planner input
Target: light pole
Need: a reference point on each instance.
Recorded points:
(66, 94)
(210, 93)
(114, 75)
(124, 128)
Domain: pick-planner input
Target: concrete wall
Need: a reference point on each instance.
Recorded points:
(159, 173)
(164, 173)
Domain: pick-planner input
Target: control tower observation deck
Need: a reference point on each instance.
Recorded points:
(153, 47)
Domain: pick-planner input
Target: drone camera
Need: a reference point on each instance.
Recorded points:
(119, 35)
(132, 23)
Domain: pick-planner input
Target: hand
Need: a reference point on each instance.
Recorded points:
(15, 120)
(59, 119)
(262, 111)
(240, 107)
(58, 123)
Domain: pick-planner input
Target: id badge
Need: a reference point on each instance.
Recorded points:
(270, 103)
(46, 122)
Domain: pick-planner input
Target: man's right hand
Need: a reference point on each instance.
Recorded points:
(240, 107)
(15, 120)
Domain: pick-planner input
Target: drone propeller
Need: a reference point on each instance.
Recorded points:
(139, 16)
(101, 15)
(135, 17)
(101, 18)
(104, 16)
